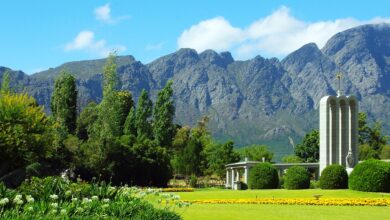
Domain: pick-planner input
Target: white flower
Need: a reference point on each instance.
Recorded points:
(87, 200)
(106, 200)
(29, 199)
(54, 197)
(54, 205)
(18, 197)
(68, 193)
(54, 211)
(95, 198)
(63, 212)
(4, 201)
(74, 199)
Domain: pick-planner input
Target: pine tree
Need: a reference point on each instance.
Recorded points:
(163, 114)
(64, 102)
(142, 116)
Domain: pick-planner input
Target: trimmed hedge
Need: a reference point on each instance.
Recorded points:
(263, 176)
(297, 178)
(334, 177)
(371, 176)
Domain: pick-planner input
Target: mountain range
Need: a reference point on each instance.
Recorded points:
(256, 101)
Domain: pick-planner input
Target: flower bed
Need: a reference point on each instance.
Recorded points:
(177, 190)
(321, 202)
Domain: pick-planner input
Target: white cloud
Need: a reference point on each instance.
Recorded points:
(216, 33)
(85, 41)
(277, 34)
(103, 13)
(157, 46)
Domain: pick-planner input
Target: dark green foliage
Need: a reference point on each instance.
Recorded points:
(218, 155)
(371, 176)
(385, 154)
(334, 177)
(371, 140)
(296, 177)
(263, 176)
(129, 128)
(85, 121)
(257, 152)
(124, 105)
(142, 116)
(308, 150)
(193, 181)
(163, 114)
(64, 102)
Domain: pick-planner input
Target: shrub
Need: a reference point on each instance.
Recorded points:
(334, 177)
(297, 178)
(263, 176)
(371, 176)
(193, 181)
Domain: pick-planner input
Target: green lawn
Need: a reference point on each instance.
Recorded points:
(251, 211)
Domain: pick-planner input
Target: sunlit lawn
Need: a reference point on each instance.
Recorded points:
(253, 211)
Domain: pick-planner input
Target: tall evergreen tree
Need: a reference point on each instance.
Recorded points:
(108, 123)
(129, 128)
(64, 102)
(163, 114)
(142, 116)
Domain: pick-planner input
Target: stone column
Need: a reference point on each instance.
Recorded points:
(232, 178)
(246, 174)
(227, 178)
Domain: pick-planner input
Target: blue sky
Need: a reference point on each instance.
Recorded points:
(36, 35)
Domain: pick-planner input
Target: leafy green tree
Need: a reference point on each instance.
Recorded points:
(24, 133)
(218, 155)
(257, 153)
(308, 150)
(125, 104)
(129, 128)
(292, 159)
(371, 139)
(163, 114)
(85, 121)
(142, 116)
(385, 154)
(64, 102)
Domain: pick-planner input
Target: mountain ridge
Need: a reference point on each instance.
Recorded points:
(260, 100)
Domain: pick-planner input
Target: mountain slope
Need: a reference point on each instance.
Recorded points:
(254, 101)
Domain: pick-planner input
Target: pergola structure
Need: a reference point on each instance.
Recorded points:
(233, 175)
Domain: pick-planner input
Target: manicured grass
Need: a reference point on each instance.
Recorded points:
(276, 193)
(253, 211)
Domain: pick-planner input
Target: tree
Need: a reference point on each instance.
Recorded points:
(292, 159)
(308, 150)
(124, 105)
(142, 116)
(218, 155)
(371, 140)
(163, 114)
(85, 121)
(257, 153)
(24, 133)
(64, 102)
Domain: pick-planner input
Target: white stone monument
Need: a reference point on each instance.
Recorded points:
(339, 130)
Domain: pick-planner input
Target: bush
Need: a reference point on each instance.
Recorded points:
(334, 177)
(263, 176)
(193, 181)
(371, 176)
(297, 178)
